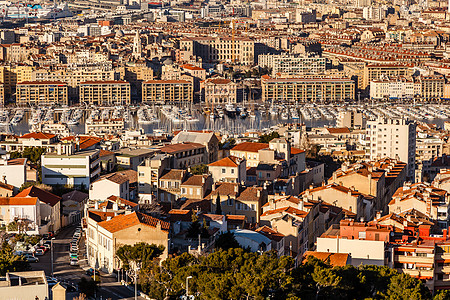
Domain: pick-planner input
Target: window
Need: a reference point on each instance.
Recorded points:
(232, 171)
(253, 207)
(183, 190)
(230, 202)
(223, 170)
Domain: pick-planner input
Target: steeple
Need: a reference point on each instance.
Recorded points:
(137, 46)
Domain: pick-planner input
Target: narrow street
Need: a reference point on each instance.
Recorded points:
(63, 271)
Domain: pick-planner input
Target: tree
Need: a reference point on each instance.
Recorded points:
(442, 295)
(265, 138)
(141, 253)
(199, 169)
(10, 262)
(227, 241)
(218, 205)
(404, 287)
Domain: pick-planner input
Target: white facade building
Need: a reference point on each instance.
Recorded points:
(393, 88)
(291, 65)
(78, 169)
(110, 185)
(393, 138)
(13, 171)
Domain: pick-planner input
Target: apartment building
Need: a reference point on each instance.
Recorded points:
(307, 89)
(167, 91)
(347, 198)
(206, 138)
(379, 178)
(186, 155)
(432, 87)
(107, 231)
(105, 92)
(219, 91)
(289, 65)
(2, 93)
(41, 93)
(11, 75)
(77, 169)
(149, 173)
(393, 88)
(425, 198)
(229, 169)
(392, 138)
(220, 49)
(21, 208)
(238, 200)
(374, 72)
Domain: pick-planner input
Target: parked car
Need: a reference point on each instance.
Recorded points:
(31, 259)
(46, 246)
(45, 249)
(90, 272)
(74, 261)
(51, 281)
(73, 255)
(39, 252)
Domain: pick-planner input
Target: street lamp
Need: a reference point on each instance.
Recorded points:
(51, 252)
(136, 272)
(187, 285)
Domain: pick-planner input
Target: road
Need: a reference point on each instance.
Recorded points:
(63, 271)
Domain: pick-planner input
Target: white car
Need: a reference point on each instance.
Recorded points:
(74, 261)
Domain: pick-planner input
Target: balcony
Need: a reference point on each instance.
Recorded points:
(413, 259)
(418, 273)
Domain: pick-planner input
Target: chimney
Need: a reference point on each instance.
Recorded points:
(236, 189)
(258, 193)
(378, 215)
(405, 223)
(115, 206)
(300, 204)
(96, 205)
(104, 209)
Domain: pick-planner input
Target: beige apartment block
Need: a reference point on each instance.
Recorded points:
(167, 91)
(41, 93)
(307, 89)
(105, 92)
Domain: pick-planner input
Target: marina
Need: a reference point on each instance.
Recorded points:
(230, 119)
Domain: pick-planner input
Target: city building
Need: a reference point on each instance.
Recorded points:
(77, 169)
(289, 65)
(42, 93)
(104, 93)
(307, 89)
(167, 91)
(393, 138)
(219, 91)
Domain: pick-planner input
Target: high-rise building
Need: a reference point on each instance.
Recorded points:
(393, 138)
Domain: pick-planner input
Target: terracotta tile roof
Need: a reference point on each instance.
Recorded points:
(113, 177)
(235, 217)
(341, 130)
(250, 194)
(122, 201)
(38, 136)
(130, 174)
(6, 186)
(16, 161)
(173, 174)
(181, 147)
(99, 216)
(225, 189)
(104, 153)
(295, 151)
(250, 147)
(335, 259)
(270, 233)
(230, 161)
(287, 210)
(213, 217)
(18, 200)
(203, 205)
(121, 222)
(85, 141)
(41, 194)
(195, 180)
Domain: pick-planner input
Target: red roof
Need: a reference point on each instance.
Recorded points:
(41, 194)
(121, 222)
(38, 136)
(18, 200)
(295, 151)
(250, 147)
(42, 82)
(230, 161)
(106, 82)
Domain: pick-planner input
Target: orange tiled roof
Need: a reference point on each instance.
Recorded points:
(18, 200)
(41, 194)
(38, 136)
(129, 220)
(230, 161)
(250, 147)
